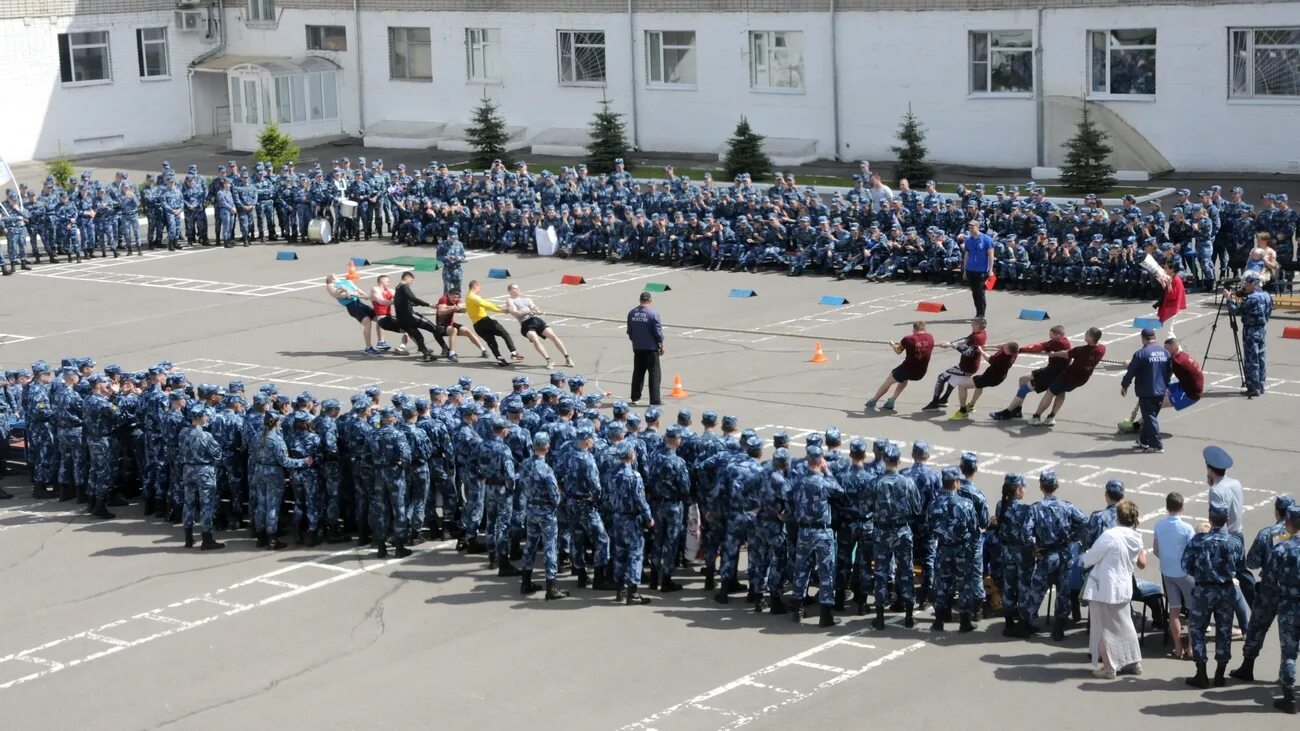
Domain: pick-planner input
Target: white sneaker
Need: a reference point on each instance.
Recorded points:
(1035, 420)
(1049, 421)
(1104, 673)
(568, 363)
(400, 348)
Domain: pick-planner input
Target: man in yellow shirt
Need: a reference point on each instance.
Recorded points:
(478, 308)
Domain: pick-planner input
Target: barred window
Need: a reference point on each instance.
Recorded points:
(1265, 62)
(582, 57)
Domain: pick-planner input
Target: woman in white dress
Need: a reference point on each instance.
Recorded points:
(1112, 640)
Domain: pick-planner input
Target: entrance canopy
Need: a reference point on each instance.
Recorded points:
(300, 95)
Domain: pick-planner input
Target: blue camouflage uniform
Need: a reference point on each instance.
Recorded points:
(955, 528)
(1285, 562)
(496, 466)
(392, 454)
(1259, 557)
(1212, 560)
(668, 485)
(1254, 309)
(268, 459)
(631, 515)
(539, 501)
(582, 496)
(467, 443)
(810, 498)
(895, 504)
(1016, 553)
(199, 455)
(1056, 527)
(928, 485)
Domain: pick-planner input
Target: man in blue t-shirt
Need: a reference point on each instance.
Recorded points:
(1172, 536)
(977, 262)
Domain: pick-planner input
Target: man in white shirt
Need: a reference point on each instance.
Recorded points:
(1227, 491)
(533, 327)
(1172, 534)
(881, 196)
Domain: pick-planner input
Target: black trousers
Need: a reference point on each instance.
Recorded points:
(645, 362)
(490, 330)
(411, 328)
(977, 292)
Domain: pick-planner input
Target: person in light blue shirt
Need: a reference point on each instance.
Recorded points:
(1172, 537)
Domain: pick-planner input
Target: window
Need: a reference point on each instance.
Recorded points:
(327, 38)
(84, 57)
(483, 54)
(1002, 62)
(261, 11)
(776, 59)
(310, 97)
(409, 56)
(1123, 61)
(670, 57)
(151, 52)
(1265, 62)
(582, 57)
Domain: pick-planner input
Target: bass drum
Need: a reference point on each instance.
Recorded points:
(319, 231)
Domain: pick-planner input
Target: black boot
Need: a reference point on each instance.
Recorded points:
(553, 593)
(82, 497)
(66, 493)
(908, 621)
(101, 510)
(313, 538)
(210, 543)
(936, 625)
(1200, 680)
(383, 549)
(582, 579)
(1246, 672)
(1286, 703)
(840, 596)
(505, 568)
(633, 597)
(117, 501)
(604, 580)
(1009, 627)
(262, 540)
(796, 612)
(400, 550)
(752, 595)
(777, 606)
(720, 596)
(526, 585)
(879, 621)
(667, 585)
(363, 539)
(189, 537)
(174, 516)
(1058, 628)
(1219, 670)
(828, 618)
(966, 624)
(492, 562)
(709, 583)
(148, 506)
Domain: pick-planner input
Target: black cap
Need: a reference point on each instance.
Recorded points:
(645, 296)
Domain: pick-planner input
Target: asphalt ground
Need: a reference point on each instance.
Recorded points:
(113, 624)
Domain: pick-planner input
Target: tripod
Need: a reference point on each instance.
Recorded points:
(1236, 337)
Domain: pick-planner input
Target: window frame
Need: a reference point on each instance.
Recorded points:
(769, 44)
(989, 50)
(489, 47)
(1249, 95)
(260, 12)
(1111, 48)
(141, 59)
(309, 27)
(64, 43)
(560, 33)
(406, 43)
(650, 52)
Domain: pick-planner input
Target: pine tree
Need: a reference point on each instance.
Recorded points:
(911, 155)
(1086, 169)
(62, 171)
(745, 153)
(608, 139)
(275, 147)
(487, 135)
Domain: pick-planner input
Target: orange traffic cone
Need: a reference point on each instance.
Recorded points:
(352, 271)
(678, 391)
(818, 355)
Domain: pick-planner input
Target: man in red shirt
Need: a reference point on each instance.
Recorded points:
(445, 320)
(1038, 379)
(1000, 361)
(918, 346)
(1183, 392)
(971, 349)
(1081, 360)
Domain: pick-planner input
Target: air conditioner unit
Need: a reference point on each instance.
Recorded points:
(191, 21)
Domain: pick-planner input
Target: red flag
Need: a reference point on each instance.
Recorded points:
(991, 282)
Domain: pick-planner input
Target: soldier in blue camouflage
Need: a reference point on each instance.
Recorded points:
(68, 407)
(1056, 526)
(1254, 307)
(1284, 561)
(38, 415)
(1013, 525)
(354, 431)
(1212, 559)
(467, 443)
(736, 495)
(855, 539)
(329, 467)
(227, 427)
(631, 517)
(810, 500)
(582, 496)
(153, 409)
(199, 455)
(928, 484)
(895, 504)
(305, 481)
(496, 465)
(955, 527)
(391, 454)
(1264, 609)
(417, 473)
(668, 485)
(442, 467)
(539, 501)
(268, 458)
(101, 419)
(770, 558)
(172, 424)
(969, 468)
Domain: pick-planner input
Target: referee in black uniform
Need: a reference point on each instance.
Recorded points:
(647, 335)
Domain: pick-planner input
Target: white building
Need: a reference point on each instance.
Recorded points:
(1190, 84)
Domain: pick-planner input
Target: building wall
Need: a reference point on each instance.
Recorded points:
(53, 119)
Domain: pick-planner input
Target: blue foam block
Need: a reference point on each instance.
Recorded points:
(1033, 315)
(830, 299)
(1144, 322)
(743, 293)
(286, 256)
(498, 274)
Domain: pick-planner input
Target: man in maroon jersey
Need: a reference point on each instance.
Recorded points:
(1000, 361)
(918, 346)
(1081, 360)
(1038, 379)
(1183, 392)
(971, 351)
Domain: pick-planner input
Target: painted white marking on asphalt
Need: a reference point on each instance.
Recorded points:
(818, 666)
(733, 719)
(10, 338)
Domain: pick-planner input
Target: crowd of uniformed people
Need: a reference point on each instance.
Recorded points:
(870, 230)
(609, 496)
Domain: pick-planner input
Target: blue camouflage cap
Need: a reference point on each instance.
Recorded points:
(652, 414)
(1013, 478)
(814, 451)
(780, 439)
(920, 448)
(235, 386)
(468, 409)
(330, 403)
(969, 459)
(620, 408)
(673, 432)
(359, 402)
(1047, 478)
(177, 396)
(1293, 514)
(541, 438)
(833, 437)
(729, 421)
(813, 438)
(781, 454)
(479, 390)
(1115, 489)
(514, 407)
(1282, 503)
(437, 391)
(557, 378)
(878, 445)
(372, 391)
(1218, 507)
(754, 443)
(709, 418)
(40, 367)
(857, 445)
(633, 420)
(387, 413)
(422, 403)
(615, 428)
(197, 411)
(891, 452)
(951, 474)
(585, 434)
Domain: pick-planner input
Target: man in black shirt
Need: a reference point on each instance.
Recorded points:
(409, 322)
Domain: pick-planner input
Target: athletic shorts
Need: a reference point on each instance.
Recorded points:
(533, 324)
(984, 381)
(1179, 591)
(900, 375)
(1039, 380)
(361, 311)
(1060, 387)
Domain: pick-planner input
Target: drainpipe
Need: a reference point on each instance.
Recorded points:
(631, 55)
(1039, 100)
(835, 87)
(361, 77)
(221, 46)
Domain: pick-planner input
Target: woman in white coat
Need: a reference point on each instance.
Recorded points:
(1112, 641)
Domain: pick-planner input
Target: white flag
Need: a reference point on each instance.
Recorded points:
(6, 175)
